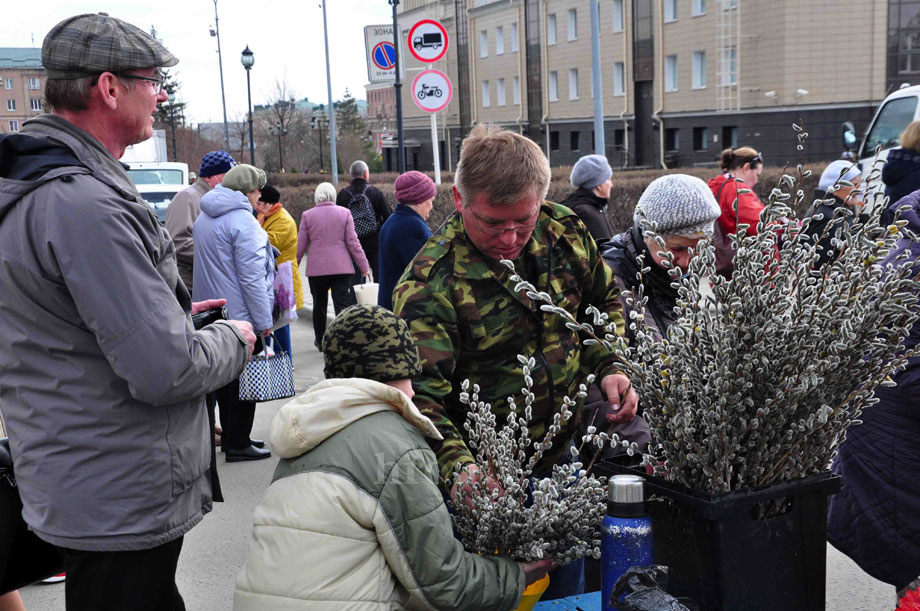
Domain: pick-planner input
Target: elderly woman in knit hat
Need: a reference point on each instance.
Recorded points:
(405, 232)
(235, 261)
(837, 202)
(591, 177)
(327, 237)
(282, 233)
(354, 517)
(683, 211)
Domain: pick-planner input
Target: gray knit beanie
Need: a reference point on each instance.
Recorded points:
(590, 171)
(679, 205)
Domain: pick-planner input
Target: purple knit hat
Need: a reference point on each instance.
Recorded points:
(414, 188)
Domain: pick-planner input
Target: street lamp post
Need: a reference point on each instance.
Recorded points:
(397, 87)
(316, 123)
(172, 119)
(248, 59)
(280, 131)
(220, 64)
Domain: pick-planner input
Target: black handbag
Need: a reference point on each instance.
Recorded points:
(24, 558)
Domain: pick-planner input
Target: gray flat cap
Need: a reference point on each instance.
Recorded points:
(86, 45)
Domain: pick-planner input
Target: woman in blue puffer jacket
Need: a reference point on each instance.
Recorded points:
(234, 261)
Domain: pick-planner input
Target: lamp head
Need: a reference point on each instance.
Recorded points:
(247, 58)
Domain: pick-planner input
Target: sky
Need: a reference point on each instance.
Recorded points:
(286, 37)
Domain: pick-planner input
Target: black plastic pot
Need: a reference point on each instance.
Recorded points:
(725, 557)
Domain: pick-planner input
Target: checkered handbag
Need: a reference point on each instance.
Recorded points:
(267, 377)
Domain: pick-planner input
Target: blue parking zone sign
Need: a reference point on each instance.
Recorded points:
(385, 55)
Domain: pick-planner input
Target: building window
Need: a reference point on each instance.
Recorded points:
(500, 92)
(670, 11)
(698, 70)
(514, 37)
(551, 29)
(728, 5)
(730, 136)
(700, 138)
(11, 105)
(573, 24)
(499, 40)
(483, 43)
(9, 83)
(730, 66)
(553, 86)
(574, 141)
(617, 16)
(670, 73)
(33, 83)
(36, 104)
(14, 126)
(619, 78)
(619, 139)
(697, 7)
(554, 141)
(516, 90)
(573, 83)
(485, 94)
(672, 139)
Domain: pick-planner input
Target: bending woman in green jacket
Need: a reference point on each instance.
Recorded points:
(354, 516)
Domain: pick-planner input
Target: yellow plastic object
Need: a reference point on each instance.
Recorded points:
(532, 594)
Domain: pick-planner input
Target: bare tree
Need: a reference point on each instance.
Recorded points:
(239, 128)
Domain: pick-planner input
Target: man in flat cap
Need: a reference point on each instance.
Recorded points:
(102, 374)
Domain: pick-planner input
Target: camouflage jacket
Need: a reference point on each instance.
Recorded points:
(469, 323)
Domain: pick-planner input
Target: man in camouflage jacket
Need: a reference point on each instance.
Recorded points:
(469, 322)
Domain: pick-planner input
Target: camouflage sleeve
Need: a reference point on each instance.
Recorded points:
(605, 296)
(425, 306)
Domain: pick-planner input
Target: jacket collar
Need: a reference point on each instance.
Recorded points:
(328, 407)
(473, 265)
(90, 151)
(324, 204)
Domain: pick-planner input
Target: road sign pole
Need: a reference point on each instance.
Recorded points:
(397, 86)
(434, 148)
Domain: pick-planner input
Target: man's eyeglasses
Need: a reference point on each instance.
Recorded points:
(490, 229)
(157, 80)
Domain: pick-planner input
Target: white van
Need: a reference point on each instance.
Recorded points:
(896, 112)
(157, 180)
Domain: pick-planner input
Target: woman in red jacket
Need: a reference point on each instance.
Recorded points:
(745, 164)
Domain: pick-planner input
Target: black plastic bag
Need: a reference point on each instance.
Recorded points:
(641, 588)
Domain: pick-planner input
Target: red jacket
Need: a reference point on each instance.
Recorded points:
(749, 206)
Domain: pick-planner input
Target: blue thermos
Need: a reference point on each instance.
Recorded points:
(627, 532)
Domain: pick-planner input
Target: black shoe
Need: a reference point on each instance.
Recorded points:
(248, 453)
(258, 443)
(318, 344)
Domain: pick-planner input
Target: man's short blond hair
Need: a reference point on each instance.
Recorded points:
(910, 139)
(501, 164)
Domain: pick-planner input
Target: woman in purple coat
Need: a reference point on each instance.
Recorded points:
(327, 236)
(873, 519)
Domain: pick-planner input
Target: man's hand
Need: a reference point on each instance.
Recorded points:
(463, 489)
(536, 569)
(246, 329)
(210, 304)
(623, 399)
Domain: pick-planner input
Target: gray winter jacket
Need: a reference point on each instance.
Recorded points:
(102, 376)
(233, 257)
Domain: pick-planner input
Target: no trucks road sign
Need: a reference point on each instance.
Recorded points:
(428, 41)
(381, 54)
